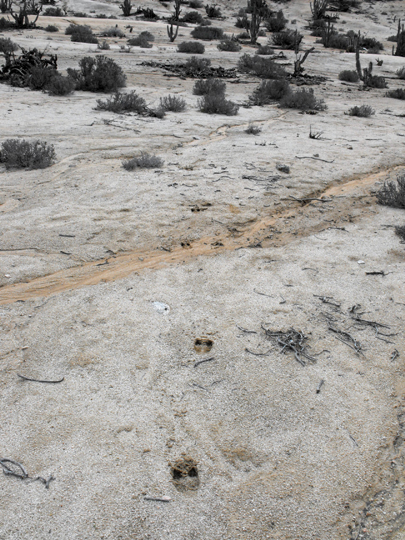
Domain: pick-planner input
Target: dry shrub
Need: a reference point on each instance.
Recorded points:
(144, 161)
(364, 111)
(100, 74)
(207, 33)
(392, 193)
(172, 104)
(229, 45)
(303, 100)
(217, 104)
(23, 154)
(191, 47)
(349, 76)
(270, 91)
(209, 86)
(121, 102)
(397, 93)
(262, 67)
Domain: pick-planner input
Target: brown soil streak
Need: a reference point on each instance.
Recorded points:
(123, 265)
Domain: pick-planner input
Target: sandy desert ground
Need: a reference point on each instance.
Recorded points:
(150, 293)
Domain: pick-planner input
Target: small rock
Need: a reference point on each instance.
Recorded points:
(161, 308)
(361, 262)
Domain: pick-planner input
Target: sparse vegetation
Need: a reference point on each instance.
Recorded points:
(217, 104)
(123, 102)
(265, 50)
(191, 47)
(113, 31)
(209, 86)
(172, 104)
(212, 11)
(207, 33)
(54, 12)
(103, 46)
(392, 193)
(140, 41)
(349, 76)
(276, 22)
(22, 154)
(100, 74)
(51, 28)
(193, 17)
(400, 231)
(401, 73)
(195, 4)
(81, 33)
(262, 67)
(144, 161)
(253, 130)
(59, 85)
(196, 66)
(303, 100)
(270, 91)
(364, 111)
(229, 45)
(397, 93)
(287, 39)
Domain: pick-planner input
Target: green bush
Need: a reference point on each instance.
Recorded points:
(229, 45)
(140, 41)
(5, 24)
(287, 39)
(54, 12)
(398, 93)
(100, 74)
(81, 14)
(276, 22)
(51, 28)
(22, 154)
(217, 104)
(262, 67)
(364, 111)
(103, 46)
(7, 46)
(392, 193)
(82, 34)
(303, 100)
(195, 4)
(349, 76)
(213, 12)
(209, 86)
(196, 66)
(265, 50)
(400, 231)
(401, 73)
(253, 130)
(121, 102)
(270, 91)
(193, 17)
(40, 76)
(147, 35)
(144, 161)
(172, 104)
(113, 31)
(374, 81)
(191, 47)
(207, 33)
(60, 86)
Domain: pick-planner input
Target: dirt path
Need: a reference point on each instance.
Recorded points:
(345, 200)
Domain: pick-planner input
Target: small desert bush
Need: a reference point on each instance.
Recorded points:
(147, 35)
(7, 46)
(213, 12)
(195, 66)
(103, 46)
(140, 41)
(243, 36)
(229, 45)
(191, 47)
(100, 74)
(242, 22)
(276, 22)
(401, 73)
(207, 33)
(349, 76)
(81, 14)
(364, 111)
(60, 85)
(83, 34)
(209, 86)
(398, 93)
(303, 100)
(195, 4)
(144, 161)
(5, 24)
(54, 12)
(400, 231)
(392, 193)
(287, 39)
(23, 154)
(113, 31)
(262, 67)
(217, 104)
(265, 50)
(253, 130)
(193, 17)
(172, 104)
(122, 102)
(51, 28)
(374, 81)
(40, 76)
(270, 91)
